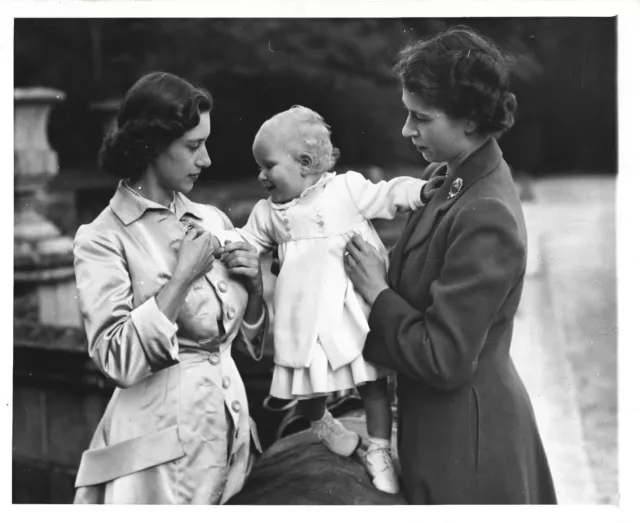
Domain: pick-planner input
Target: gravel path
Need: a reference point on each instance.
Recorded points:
(565, 339)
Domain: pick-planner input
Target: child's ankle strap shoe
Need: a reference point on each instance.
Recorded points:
(336, 436)
(379, 465)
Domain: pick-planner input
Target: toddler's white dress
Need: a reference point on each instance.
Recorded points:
(320, 321)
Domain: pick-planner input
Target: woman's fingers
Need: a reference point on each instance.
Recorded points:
(230, 247)
(236, 254)
(350, 252)
(191, 234)
(241, 261)
(197, 228)
(349, 261)
(356, 248)
(358, 242)
(194, 231)
(243, 271)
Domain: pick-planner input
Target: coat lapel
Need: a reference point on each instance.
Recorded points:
(483, 161)
(397, 253)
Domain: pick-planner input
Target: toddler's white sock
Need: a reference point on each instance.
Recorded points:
(325, 417)
(379, 443)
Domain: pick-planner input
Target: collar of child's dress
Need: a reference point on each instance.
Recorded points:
(322, 181)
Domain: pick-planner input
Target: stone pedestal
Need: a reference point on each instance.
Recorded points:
(43, 258)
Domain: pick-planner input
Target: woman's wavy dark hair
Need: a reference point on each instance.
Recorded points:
(463, 74)
(158, 109)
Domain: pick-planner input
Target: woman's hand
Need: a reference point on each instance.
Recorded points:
(242, 259)
(196, 255)
(195, 259)
(365, 267)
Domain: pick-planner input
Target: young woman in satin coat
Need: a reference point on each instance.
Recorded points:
(443, 317)
(162, 314)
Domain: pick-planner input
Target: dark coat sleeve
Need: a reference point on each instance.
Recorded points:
(440, 346)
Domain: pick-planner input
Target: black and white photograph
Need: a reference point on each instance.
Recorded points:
(443, 329)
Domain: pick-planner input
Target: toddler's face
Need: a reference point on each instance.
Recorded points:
(279, 172)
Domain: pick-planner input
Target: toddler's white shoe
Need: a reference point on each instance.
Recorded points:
(336, 436)
(379, 465)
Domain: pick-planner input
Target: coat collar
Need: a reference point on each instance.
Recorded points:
(185, 206)
(128, 208)
(419, 225)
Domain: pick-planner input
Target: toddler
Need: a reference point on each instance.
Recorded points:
(320, 321)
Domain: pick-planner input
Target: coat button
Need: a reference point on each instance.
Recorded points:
(236, 406)
(214, 358)
(222, 286)
(231, 313)
(226, 382)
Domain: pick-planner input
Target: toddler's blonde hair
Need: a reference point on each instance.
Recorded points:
(314, 135)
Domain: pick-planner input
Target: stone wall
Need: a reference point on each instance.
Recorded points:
(58, 399)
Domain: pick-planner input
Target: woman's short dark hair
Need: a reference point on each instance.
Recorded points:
(158, 109)
(463, 74)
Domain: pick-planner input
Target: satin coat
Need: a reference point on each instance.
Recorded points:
(177, 429)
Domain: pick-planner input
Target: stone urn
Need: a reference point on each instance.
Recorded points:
(43, 257)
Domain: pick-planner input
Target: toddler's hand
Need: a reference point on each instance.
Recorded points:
(243, 260)
(430, 188)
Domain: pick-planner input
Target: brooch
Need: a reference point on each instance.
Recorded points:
(456, 187)
(187, 225)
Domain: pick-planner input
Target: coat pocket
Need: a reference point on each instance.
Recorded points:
(99, 465)
(474, 426)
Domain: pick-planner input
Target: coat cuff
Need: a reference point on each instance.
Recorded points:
(380, 309)
(157, 335)
(375, 349)
(253, 337)
(252, 330)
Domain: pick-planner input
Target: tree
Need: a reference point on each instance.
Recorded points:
(340, 67)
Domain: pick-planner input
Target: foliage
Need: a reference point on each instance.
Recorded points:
(340, 67)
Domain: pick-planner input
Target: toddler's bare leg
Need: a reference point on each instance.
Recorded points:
(377, 459)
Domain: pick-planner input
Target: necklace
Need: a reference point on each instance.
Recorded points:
(172, 205)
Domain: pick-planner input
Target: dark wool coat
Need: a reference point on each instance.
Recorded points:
(466, 431)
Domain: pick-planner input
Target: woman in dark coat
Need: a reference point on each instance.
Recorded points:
(443, 318)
